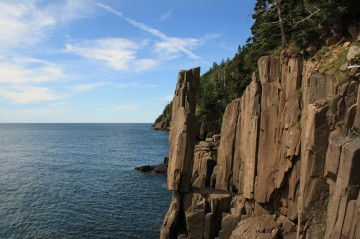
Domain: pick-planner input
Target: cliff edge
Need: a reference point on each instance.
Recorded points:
(288, 161)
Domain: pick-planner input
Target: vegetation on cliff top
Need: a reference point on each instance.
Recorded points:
(278, 24)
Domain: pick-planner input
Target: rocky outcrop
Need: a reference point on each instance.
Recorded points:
(182, 134)
(155, 169)
(288, 161)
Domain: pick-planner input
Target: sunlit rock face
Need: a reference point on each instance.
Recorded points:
(287, 164)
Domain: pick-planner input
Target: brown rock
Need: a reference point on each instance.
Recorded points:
(287, 225)
(336, 141)
(195, 215)
(228, 224)
(353, 52)
(346, 189)
(314, 190)
(350, 116)
(279, 137)
(346, 44)
(246, 141)
(171, 222)
(182, 133)
(225, 151)
(203, 167)
(237, 206)
(255, 228)
(356, 124)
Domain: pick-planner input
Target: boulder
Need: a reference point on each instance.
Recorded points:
(353, 52)
(195, 215)
(255, 228)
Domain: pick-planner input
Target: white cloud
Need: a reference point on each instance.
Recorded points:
(23, 24)
(28, 70)
(117, 53)
(166, 15)
(168, 43)
(145, 64)
(28, 94)
(72, 10)
(168, 50)
(26, 23)
(87, 87)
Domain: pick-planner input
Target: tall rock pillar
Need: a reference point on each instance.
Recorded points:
(182, 131)
(182, 145)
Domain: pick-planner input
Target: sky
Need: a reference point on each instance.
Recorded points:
(108, 61)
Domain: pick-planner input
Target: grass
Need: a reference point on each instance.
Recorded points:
(331, 59)
(321, 53)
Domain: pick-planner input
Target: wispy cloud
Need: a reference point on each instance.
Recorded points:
(116, 52)
(120, 107)
(169, 44)
(25, 23)
(18, 70)
(28, 94)
(166, 15)
(87, 87)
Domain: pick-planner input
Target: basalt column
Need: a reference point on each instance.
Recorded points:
(182, 144)
(182, 131)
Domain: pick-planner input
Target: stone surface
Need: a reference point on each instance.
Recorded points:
(356, 124)
(182, 133)
(345, 190)
(287, 225)
(353, 52)
(314, 190)
(289, 147)
(225, 157)
(171, 224)
(246, 140)
(255, 228)
(346, 44)
(279, 136)
(204, 163)
(195, 215)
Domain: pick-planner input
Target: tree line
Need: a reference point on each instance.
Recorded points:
(278, 25)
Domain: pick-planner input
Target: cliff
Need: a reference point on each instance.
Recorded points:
(288, 161)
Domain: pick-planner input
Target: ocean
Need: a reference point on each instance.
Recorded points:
(78, 181)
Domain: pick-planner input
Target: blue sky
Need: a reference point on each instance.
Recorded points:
(108, 60)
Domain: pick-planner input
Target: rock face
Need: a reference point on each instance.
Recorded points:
(182, 134)
(287, 164)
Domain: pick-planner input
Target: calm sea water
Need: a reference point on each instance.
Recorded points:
(78, 181)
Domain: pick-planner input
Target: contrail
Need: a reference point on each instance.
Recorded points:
(148, 29)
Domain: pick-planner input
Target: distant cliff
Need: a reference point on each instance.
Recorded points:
(288, 162)
(163, 121)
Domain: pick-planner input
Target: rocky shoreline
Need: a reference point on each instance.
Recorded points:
(287, 165)
(155, 169)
